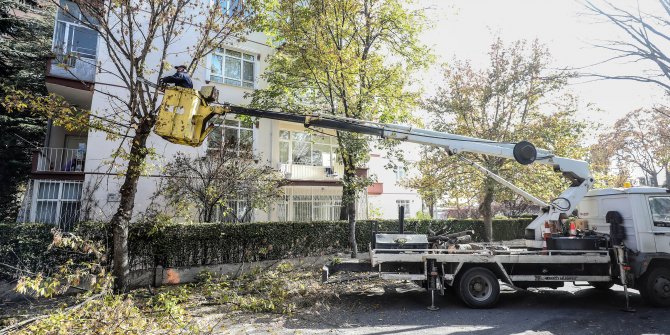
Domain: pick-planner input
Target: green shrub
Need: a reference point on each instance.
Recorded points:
(192, 244)
(25, 247)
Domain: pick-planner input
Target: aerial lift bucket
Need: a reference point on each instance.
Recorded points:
(183, 117)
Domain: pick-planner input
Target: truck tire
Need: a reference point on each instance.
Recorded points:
(601, 285)
(655, 287)
(478, 288)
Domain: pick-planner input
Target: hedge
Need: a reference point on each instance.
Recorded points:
(25, 247)
(190, 244)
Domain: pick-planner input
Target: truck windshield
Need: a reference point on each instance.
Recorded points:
(660, 211)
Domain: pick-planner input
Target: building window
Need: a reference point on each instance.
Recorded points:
(232, 7)
(306, 149)
(234, 211)
(399, 173)
(57, 203)
(404, 203)
(306, 208)
(233, 68)
(71, 36)
(236, 135)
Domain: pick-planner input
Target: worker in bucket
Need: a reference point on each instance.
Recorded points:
(180, 78)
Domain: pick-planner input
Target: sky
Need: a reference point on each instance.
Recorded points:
(465, 29)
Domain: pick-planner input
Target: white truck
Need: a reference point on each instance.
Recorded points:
(640, 258)
(623, 235)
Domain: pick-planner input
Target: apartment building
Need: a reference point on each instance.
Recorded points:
(73, 179)
(58, 168)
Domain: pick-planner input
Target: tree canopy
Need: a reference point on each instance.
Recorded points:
(640, 140)
(517, 97)
(214, 183)
(353, 58)
(25, 43)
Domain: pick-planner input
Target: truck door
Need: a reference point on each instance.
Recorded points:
(660, 215)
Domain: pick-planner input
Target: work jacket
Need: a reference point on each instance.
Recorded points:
(180, 79)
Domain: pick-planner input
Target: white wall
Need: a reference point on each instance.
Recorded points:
(100, 171)
(393, 191)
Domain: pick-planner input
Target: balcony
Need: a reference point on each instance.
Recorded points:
(376, 189)
(72, 66)
(58, 161)
(308, 172)
(74, 45)
(71, 71)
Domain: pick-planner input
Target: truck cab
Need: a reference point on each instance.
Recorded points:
(646, 219)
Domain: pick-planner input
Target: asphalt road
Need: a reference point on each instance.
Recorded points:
(392, 310)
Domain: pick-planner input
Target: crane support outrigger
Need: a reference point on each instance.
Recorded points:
(592, 255)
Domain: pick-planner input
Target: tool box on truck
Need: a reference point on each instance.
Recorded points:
(401, 241)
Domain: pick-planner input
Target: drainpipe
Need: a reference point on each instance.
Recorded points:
(401, 219)
(47, 138)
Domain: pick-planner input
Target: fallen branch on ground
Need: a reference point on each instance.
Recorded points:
(24, 323)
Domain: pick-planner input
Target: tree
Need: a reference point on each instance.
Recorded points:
(662, 128)
(431, 181)
(25, 42)
(647, 38)
(516, 98)
(607, 171)
(136, 39)
(352, 58)
(639, 139)
(218, 180)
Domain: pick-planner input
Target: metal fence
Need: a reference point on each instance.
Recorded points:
(60, 160)
(316, 207)
(56, 202)
(308, 172)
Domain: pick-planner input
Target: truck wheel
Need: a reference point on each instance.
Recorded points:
(601, 285)
(479, 288)
(655, 287)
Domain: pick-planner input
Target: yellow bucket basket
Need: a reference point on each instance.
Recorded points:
(183, 116)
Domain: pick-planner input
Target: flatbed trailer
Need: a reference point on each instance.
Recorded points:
(519, 268)
(512, 266)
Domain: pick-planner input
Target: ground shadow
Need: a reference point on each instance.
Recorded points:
(570, 310)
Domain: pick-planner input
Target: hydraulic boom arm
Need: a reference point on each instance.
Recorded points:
(184, 115)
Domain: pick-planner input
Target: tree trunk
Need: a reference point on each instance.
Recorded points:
(121, 220)
(352, 229)
(343, 208)
(667, 176)
(653, 179)
(349, 206)
(431, 209)
(207, 213)
(486, 210)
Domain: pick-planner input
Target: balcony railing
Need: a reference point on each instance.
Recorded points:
(376, 189)
(308, 172)
(59, 160)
